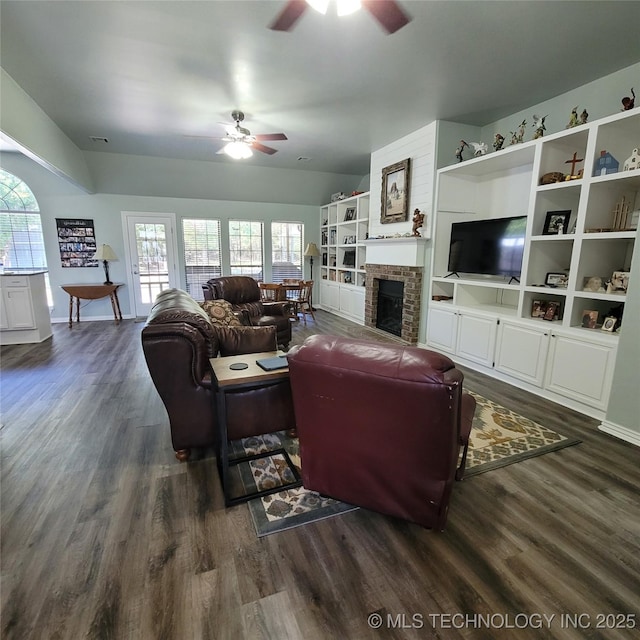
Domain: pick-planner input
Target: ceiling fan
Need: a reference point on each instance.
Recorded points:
(387, 12)
(240, 141)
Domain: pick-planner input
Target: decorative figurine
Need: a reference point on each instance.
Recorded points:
(460, 149)
(583, 117)
(573, 119)
(632, 162)
(498, 142)
(519, 136)
(573, 162)
(605, 164)
(479, 148)
(418, 221)
(629, 102)
(538, 125)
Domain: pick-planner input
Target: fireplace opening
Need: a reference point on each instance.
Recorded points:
(389, 311)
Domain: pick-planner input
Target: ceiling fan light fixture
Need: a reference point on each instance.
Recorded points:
(346, 7)
(319, 5)
(238, 150)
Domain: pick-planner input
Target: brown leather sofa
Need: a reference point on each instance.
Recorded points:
(244, 295)
(380, 425)
(178, 339)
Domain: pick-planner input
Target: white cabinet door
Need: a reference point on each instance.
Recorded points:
(442, 329)
(580, 370)
(19, 308)
(330, 296)
(477, 338)
(522, 351)
(352, 302)
(4, 321)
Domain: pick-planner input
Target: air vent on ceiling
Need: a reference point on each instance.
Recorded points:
(303, 159)
(101, 139)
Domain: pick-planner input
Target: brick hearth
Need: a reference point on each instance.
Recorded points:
(411, 277)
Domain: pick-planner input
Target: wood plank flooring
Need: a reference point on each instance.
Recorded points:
(106, 535)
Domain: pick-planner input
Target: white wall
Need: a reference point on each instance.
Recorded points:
(420, 146)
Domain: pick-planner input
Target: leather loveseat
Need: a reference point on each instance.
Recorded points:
(380, 425)
(243, 293)
(178, 339)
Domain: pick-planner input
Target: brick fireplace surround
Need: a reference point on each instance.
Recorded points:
(411, 277)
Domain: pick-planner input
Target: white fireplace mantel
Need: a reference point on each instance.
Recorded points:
(405, 251)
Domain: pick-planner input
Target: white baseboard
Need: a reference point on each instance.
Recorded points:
(624, 433)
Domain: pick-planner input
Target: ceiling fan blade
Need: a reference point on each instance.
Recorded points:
(261, 147)
(388, 13)
(270, 136)
(291, 13)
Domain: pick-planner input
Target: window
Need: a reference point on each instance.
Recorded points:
(286, 251)
(201, 240)
(21, 239)
(245, 244)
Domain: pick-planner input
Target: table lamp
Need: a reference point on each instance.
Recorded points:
(311, 252)
(105, 253)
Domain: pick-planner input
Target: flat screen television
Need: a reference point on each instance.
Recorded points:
(488, 247)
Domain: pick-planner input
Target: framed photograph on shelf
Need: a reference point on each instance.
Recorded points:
(395, 192)
(594, 284)
(538, 307)
(559, 280)
(589, 319)
(350, 214)
(552, 312)
(619, 282)
(556, 222)
(609, 324)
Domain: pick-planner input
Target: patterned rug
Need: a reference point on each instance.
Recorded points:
(499, 437)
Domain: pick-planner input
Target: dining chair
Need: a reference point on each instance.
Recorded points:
(272, 292)
(303, 300)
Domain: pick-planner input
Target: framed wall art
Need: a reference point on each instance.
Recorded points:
(77, 242)
(395, 192)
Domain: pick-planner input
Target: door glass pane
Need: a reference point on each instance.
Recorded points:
(151, 244)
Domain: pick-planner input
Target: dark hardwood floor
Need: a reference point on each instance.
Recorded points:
(106, 535)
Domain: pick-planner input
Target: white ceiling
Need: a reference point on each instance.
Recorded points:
(151, 75)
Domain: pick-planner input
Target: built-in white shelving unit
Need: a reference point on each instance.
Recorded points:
(486, 322)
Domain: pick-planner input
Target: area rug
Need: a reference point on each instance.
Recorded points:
(499, 437)
(285, 509)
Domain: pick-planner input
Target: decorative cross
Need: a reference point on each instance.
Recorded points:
(573, 162)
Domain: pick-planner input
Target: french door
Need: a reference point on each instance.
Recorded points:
(151, 248)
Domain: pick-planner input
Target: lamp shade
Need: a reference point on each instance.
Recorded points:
(105, 252)
(311, 251)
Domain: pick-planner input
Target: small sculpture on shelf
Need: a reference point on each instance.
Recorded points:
(629, 102)
(460, 149)
(479, 148)
(573, 118)
(518, 136)
(584, 116)
(538, 125)
(605, 164)
(418, 221)
(573, 162)
(632, 162)
(498, 142)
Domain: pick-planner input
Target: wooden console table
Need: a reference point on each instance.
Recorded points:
(93, 292)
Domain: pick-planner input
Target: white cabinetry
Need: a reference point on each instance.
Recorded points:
(564, 359)
(343, 228)
(580, 370)
(522, 351)
(24, 314)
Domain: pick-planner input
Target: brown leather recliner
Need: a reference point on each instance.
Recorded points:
(380, 425)
(178, 340)
(244, 295)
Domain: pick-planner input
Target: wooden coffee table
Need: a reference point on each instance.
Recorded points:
(224, 380)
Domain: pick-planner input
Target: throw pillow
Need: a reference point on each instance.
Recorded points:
(221, 313)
